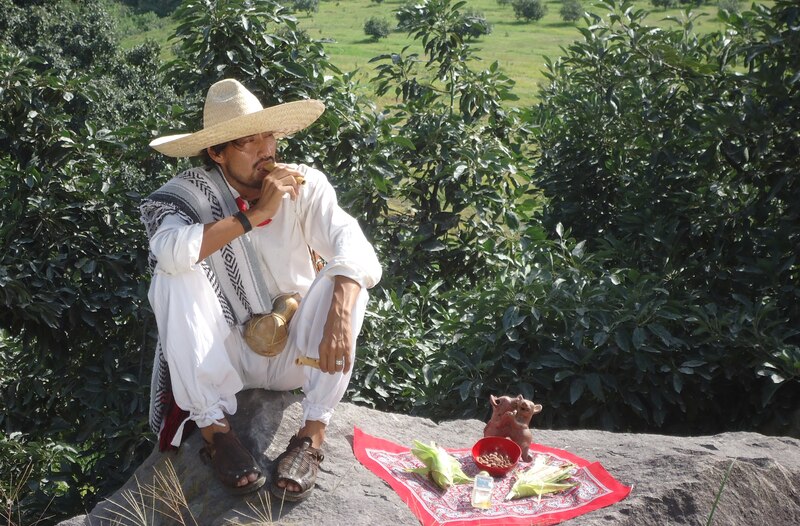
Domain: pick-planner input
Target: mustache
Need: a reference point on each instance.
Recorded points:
(266, 159)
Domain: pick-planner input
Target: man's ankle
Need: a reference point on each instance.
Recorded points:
(208, 432)
(315, 430)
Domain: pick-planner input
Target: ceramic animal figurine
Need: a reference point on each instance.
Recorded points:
(511, 417)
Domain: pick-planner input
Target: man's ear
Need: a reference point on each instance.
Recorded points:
(216, 157)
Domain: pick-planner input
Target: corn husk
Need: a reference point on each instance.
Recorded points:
(440, 466)
(542, 478)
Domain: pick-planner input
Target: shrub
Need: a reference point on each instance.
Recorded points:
(571, 10)
(732, 6)
(376, 28)
(529, 9)
(73, 311)
(683, 170)
(474, 25)
(309, 6)
(664, 3)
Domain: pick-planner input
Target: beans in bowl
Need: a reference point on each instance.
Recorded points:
(495, 459)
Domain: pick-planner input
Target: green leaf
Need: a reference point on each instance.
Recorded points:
(576, 390)
(512, 317)
(638, 338)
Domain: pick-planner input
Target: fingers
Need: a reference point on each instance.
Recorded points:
(275, 186)
(334, 355)
(286, 180)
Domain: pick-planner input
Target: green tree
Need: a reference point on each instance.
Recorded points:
(445, 130)
(159, 7)
(664, 3)
(529, 10)
(73, 313)
(571, 10)
(309, 6)
(376, 28)
(671, 155)
(474, 25)
(452, 169)
(732, 6)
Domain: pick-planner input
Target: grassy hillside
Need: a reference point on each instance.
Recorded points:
(519, 47)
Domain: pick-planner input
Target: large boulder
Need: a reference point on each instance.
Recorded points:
(675, 480)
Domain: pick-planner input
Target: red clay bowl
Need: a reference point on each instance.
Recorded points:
(501, 445)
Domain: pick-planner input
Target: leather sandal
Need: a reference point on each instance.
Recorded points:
(231, 461)
(299, 464)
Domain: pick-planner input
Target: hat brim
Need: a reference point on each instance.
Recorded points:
(282, 120)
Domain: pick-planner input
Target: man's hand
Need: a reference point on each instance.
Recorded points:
(281, 180)
(337, 336)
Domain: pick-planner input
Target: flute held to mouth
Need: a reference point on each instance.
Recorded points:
(269, 166)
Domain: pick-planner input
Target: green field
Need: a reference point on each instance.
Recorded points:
(518, 47)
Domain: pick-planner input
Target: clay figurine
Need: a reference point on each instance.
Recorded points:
(511, 417)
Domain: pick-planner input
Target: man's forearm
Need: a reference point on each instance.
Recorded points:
(219, 233)
(337, 336)
(345, 293)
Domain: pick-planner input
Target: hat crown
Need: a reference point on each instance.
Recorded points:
(226, 100)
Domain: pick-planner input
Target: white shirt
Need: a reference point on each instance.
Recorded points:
(208, 360)
(314, 219)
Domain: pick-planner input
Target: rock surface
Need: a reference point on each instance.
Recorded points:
(675, 480)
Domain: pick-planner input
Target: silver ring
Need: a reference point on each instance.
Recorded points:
(339, 362)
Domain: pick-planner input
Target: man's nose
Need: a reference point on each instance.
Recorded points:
(265, 145)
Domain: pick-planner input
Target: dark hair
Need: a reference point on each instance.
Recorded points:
(207, 160)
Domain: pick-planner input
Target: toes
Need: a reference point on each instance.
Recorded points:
(288, 486)
(244, 481)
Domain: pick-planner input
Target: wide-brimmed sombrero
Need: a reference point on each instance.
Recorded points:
(232, 112)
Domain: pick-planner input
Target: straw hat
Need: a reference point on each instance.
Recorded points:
(232, 112)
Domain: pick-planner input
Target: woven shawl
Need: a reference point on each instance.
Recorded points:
(203, 196)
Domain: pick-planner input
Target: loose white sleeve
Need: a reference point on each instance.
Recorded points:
(176, 245)
(336, 235)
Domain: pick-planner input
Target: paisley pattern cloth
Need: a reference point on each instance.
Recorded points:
(596, 488)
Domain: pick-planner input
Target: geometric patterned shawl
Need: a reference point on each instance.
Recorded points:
(203, 196)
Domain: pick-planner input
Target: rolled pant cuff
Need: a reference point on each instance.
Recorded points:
(316, 412)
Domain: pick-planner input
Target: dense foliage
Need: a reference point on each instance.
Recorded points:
(72, 268)
(675, 157)
(624, 253)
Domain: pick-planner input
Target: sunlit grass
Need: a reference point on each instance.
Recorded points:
(519, 48)
(164, 496)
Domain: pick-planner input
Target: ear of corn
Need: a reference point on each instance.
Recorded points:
(542, 478)
(440, 466)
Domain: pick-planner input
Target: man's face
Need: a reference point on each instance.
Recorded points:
(244, 162)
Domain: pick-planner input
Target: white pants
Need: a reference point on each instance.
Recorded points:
(209, 362)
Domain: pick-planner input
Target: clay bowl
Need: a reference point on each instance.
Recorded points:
(499, 445)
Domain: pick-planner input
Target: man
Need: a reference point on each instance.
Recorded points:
(226, 241)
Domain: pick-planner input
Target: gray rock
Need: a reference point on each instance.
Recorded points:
(675, 479)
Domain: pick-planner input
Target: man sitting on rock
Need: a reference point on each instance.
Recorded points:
(228, 243)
